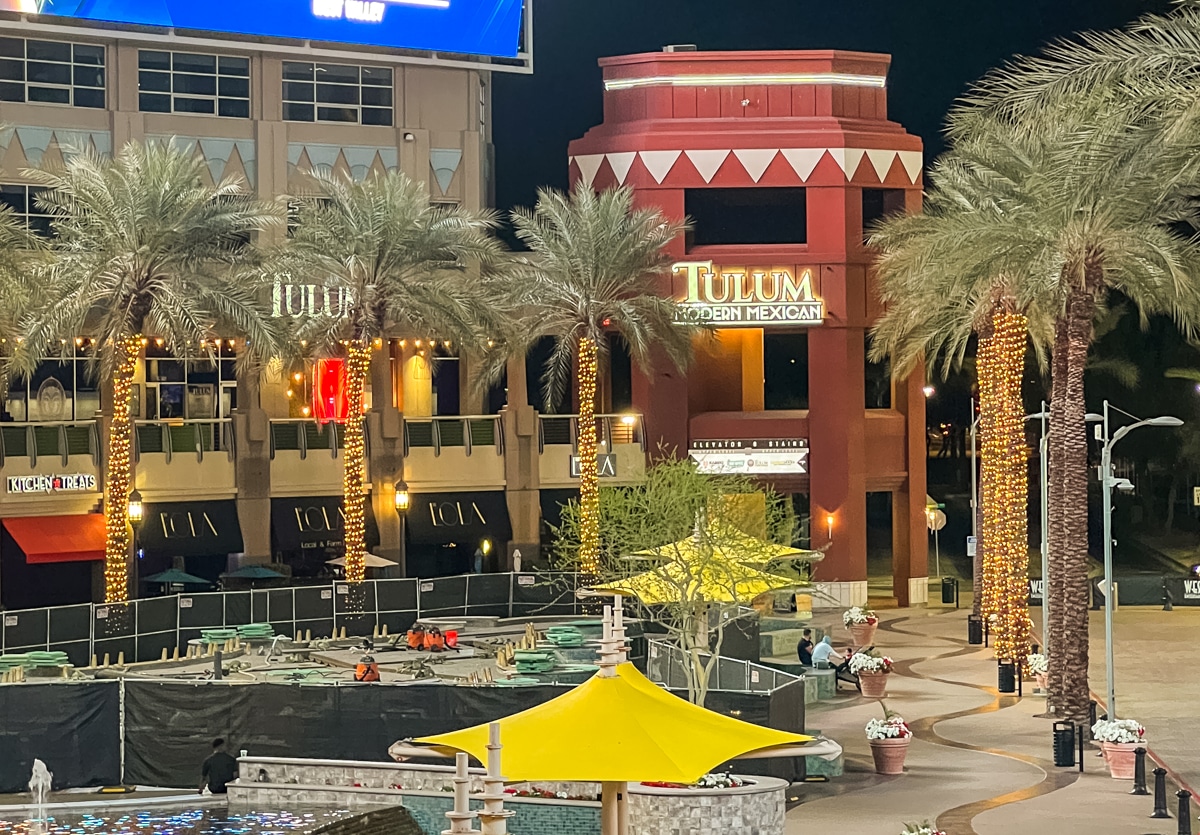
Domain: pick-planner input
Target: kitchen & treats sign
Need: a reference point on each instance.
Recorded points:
(66, 483)
(746, 297)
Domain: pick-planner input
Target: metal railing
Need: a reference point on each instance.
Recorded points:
(611, 430)
(304, 434)
(464, 432)
(61, 438)
(168, 437)
(666, 662)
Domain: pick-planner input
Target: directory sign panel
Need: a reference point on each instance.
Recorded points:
(476, 27)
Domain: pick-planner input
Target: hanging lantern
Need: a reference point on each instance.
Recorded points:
(329, 391)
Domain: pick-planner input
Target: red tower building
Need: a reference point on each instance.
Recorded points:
(781, 159)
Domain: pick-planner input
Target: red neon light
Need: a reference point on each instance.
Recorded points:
(329, 391)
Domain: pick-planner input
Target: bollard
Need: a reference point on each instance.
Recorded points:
(218, 670)
(1160, 794)
(1168, 599)
(1185, 811)
(1139, 772)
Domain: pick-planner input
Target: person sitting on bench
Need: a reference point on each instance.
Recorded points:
(804, 649)
(825, 657)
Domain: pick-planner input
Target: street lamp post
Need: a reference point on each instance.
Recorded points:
(1044, 489)
(1108, 481)
(136, 512)
(402, 500)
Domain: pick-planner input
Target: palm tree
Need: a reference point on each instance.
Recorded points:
(403, 264)
(595, 267)
(141, 248)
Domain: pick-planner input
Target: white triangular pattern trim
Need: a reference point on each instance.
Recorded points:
(708, 162)
(621, 162)
(881, 161)
(803, 160)
(912, 162)
(659, 163)
(848, 159)
(756, 161)
(588, 164)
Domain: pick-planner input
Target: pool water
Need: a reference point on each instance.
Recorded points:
(176, 822)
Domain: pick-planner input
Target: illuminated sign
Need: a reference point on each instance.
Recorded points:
(751, 457)
(747, 297)
(474, 27)
(606, 465)
(69, 483)
(310, 300)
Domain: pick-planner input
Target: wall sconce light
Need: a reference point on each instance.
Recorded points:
(929, 391)
(829, 526)
(136, 509)
(402, 498)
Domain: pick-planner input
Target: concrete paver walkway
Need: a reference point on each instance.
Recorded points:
(980, 763)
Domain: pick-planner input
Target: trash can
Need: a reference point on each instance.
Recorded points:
(1064, 744)
(949, 591)
(974, 630)
(1006, 677)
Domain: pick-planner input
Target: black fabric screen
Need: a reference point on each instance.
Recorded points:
(464, 518)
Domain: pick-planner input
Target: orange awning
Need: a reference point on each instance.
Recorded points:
(46, 539)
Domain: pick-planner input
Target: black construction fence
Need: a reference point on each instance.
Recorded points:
(1138, 590)
(143, 628)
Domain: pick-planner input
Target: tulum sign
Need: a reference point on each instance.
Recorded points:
(747, 297)
(307, 300)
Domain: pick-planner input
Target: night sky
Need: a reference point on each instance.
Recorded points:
(938, 47)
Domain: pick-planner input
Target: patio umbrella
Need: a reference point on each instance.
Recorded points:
(370, 560)
(175, 577)
(717, 581)
(253, 572)
(729, 543)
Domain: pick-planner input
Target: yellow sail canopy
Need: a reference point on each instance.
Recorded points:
(731, 544)
(621, 729)
(717, 581)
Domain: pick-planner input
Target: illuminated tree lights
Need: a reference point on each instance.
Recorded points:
(589, 476)
(120, 468)
(358, 364)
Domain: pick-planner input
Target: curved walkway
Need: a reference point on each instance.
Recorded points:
(979, 763)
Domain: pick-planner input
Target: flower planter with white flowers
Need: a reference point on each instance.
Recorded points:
(889, 740)
(862, 624)
(872, 671)
(1039, 666)
(921, 829)
(1119, 740)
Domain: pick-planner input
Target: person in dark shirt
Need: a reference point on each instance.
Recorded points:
(805, 647)
(218, 770)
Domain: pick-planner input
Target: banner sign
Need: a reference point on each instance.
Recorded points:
(751, 457)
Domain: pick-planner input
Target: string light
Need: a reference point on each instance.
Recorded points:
(358, 365)
(120, 468)
(589, 477)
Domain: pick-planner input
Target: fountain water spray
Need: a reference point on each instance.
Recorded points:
(39, 788)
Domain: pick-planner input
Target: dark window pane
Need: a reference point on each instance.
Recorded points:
(12, 92)
(234, 66)
(14, 198)
(40, 225)
(297, 112)
(235, 108)
(376, 116)
(747, 215)
(89, 76)
(295, 71)
(195, 85)
(11, 70)
(298, 91)
(378, 96)
(154, 103)
(340, 73)
(48, 51)
(183, 105)
(337, 114)
(785, 371)
(49, 73)
(89, 98)
(380, 76)
(337, 94)
(878, 204)
(234, 87)
(154, 82)
(93, 55)
(187, 62)
(50, 95)
(12, 48)
(150, 60)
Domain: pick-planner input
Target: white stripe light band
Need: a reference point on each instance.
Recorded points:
(772, 79)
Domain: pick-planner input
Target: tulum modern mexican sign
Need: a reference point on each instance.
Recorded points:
(310, 300)
(747, 297)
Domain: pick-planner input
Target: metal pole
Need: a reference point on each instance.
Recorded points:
(937, 554)
(1109, 592)
(1045, 485)
(974, 480)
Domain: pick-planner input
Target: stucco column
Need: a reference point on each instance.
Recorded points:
(521, 467)
(252, 468)
(385, 433)
(910, 540)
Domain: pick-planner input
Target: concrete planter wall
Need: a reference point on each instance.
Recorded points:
(756, 809)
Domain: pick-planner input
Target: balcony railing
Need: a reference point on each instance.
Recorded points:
(34, 440)
(465, 432)
(305, 434)
(611, 431)
(193, 437)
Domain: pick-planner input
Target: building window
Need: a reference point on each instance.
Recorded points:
(51, 72)
(188, 82)
(746, 216)
(22, 200)
(785, 371)
(879, 204)
(197, 388)
(878, 378)
(337, 93)
(61, 388)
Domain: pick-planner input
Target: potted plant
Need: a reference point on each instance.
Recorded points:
(921, 829)
(889, 738)
(862, 624)
(1039, 666)
(872, 670)
(1119, 739)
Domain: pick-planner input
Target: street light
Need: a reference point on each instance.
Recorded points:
(402, 500)
(1108, 482)
(136, 513)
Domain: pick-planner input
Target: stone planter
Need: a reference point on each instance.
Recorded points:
(1120, 758)
(754, 809)
(863, 634)
(889, 754)
(873, 685)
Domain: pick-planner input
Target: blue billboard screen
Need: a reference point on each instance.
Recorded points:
(475, 27)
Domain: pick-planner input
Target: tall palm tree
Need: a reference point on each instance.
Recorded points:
(595, 268)
(143, 248)
(403, 263)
